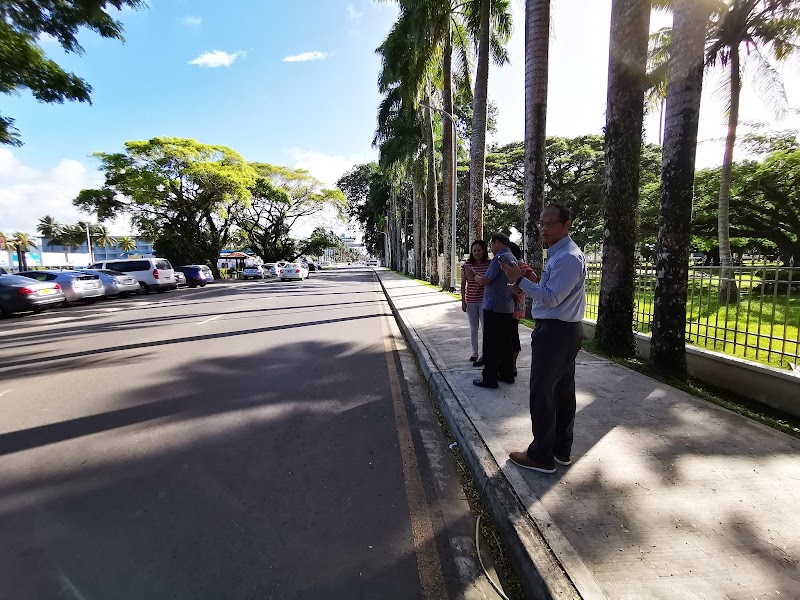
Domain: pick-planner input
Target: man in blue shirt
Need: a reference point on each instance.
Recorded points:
(498, 307)
(559, 301)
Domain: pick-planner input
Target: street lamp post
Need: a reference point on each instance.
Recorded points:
(89, 244)
(455, 186)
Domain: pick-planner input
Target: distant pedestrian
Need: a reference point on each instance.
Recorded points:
(519, 303)
(498, 307)
(559, 303)
(472, 294)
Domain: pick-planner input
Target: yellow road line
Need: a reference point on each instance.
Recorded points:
(428, 563)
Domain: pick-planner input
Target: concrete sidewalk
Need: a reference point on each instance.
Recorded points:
(668, 496)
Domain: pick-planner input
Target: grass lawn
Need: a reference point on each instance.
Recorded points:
(764, 326)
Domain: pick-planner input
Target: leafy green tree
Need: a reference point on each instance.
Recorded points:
(367, 193)
(182, 194)
(51, 229)
(24, 64)
(280, 197)
(22, 243)
(765, 199)
(574, 176)
(126, 243)
(758, 27)
(102, 238)
(321, 239)
(72, 237)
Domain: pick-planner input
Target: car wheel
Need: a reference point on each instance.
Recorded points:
(203, 284)
(193, 285)
(145, 288)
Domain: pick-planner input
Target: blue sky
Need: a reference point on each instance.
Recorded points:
(217, 72)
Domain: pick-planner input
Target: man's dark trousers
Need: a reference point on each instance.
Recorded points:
(555, 345)
(497, 346)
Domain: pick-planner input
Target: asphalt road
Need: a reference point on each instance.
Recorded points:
(249, 440)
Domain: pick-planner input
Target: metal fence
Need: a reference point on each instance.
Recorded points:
(763, 325)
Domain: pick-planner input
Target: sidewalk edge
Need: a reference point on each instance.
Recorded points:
(540, 572)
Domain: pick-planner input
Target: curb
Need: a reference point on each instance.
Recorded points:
(540, 572)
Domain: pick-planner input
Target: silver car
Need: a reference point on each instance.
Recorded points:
(75, 285)
(115, 283)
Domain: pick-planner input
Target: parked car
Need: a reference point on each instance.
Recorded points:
(77, 286)
(115, 283)
(293, 271)
(270, 270)
(180, 278)
(22, 294)
(252, 272)
(153, 274)
(196, 275)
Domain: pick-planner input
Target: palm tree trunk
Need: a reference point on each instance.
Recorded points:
(477, 145)
(415, 227)
(404, 232)
(420, 225)
(448, 169)
(433, 205)
(537, 51)
(684, 90)
(398, 229)
(391, 224)
(627, 82)
(728, 292)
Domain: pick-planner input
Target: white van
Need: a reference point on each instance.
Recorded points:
(153, 274)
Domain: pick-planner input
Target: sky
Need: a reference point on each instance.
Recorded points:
(289, 83)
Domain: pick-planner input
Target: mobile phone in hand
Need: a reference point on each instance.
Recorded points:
(508, 259)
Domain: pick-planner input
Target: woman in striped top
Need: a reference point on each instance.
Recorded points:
(472, 293)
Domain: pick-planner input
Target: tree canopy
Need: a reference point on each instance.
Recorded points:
(24, 64)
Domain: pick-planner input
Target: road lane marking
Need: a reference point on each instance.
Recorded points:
(428, 563)
(209, 320)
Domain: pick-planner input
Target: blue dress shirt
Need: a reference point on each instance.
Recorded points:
(560, 293)
(497, 294)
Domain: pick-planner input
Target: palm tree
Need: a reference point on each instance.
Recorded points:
(684, 90)
(73, 237)
(51, 229)
(627, 81)
(103, 239)
(126, 243)
(491, 23)
(537, 50)
(758, 27)
(5, 244)
(22, 243)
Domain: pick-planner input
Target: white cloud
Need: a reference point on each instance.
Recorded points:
(217, 58)
(191, 21)
(353, 14)
(27, 194)
(306, 56)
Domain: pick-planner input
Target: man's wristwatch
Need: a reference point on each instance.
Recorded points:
(518, 280)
